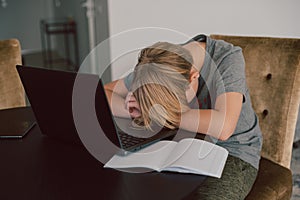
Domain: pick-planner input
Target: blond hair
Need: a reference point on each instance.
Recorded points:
(161, 78)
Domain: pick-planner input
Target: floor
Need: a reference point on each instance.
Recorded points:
(295, 167)
(295, 163)
(36, 60)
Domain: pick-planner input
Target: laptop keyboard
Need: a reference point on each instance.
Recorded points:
(129, 140)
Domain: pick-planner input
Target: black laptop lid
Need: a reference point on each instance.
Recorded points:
(50, 94)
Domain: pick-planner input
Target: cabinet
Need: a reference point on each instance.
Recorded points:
(59, 43)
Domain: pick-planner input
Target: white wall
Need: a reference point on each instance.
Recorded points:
(278, 18)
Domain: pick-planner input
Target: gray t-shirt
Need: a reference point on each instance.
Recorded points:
(224, 71)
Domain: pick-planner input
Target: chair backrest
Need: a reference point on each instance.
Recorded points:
(273, 78)
(11, 89)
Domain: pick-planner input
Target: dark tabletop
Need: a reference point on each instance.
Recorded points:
(39, 167)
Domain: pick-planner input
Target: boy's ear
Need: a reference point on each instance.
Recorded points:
(194, 75)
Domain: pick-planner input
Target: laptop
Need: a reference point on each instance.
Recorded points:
(50, 94)
(15, 123)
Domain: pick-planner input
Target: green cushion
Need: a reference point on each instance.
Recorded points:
(273, 182)
(11, 89)
(273, 77)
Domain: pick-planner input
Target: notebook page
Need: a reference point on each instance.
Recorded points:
(193, 161)
(150, 157)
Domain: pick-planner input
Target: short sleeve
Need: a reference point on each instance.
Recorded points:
(128, 81)
(230, 73)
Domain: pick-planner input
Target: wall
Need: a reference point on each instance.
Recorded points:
(264, 18)
(72, 9)
(102, 33)
(21, 19)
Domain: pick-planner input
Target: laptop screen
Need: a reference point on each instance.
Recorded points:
(51, 95)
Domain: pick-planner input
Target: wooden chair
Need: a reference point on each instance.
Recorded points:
(273, 78)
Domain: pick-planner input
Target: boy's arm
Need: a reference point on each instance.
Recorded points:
(116, 92)
(219, 122)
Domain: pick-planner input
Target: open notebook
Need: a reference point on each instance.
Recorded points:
(186, 156)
